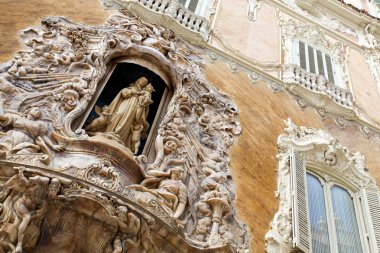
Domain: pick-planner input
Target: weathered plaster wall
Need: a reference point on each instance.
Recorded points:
(20, 14)
(253, 156)
(261, 112)
(259, 40)
(364, 87)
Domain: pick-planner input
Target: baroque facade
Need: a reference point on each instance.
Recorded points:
(190, 126)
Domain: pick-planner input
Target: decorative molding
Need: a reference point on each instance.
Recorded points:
(323, 152)
(181, 201)
(252, 9)
(170, 14)
(311, 10)
(316, 90)
(276, 85)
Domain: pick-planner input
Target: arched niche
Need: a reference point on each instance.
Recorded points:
(63, 73)
(122, 73)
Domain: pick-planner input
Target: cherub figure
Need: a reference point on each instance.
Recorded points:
(99, 123)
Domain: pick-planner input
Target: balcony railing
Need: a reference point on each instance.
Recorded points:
(315, 88)
(161, 10)
(179, 13)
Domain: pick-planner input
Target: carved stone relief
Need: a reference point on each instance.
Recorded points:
(323, 151)
(74, 180)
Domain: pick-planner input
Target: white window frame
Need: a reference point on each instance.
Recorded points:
(296, 60)
(328, 181)
(313, 150)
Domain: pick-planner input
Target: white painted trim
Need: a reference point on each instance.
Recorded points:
(333, 162)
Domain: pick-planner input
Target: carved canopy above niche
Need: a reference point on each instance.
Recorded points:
(70, 182)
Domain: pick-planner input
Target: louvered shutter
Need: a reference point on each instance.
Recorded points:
(302, 54)
(300, 211)
(330, 71)
(373, 207)
(310, 52)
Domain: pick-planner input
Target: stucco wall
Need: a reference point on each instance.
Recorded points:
(253, 156)
(259, 39)
(20, 14)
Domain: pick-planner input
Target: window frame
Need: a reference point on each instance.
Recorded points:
(307, 149)
(334, 68)
(328, 180)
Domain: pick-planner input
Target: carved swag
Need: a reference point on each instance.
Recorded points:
(75, 182)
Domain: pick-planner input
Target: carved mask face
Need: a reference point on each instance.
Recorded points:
(121, 212)
(35, 113)
(69, 99)
(170, 146)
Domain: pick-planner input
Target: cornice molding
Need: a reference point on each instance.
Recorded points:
(258, 73)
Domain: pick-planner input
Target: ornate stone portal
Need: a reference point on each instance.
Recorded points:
(65, 190)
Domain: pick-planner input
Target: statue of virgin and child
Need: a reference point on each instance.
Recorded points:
(126, 116)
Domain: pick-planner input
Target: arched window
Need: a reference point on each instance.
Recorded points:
(333, 211)
(328, 201)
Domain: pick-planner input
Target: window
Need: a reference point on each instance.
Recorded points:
(316, 61)
(328, 212)
(328, 201)
(338, 216)
(199, 7)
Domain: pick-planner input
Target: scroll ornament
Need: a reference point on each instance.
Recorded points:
(184, 195)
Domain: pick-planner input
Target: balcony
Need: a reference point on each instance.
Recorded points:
(315, 89)
(188, 25)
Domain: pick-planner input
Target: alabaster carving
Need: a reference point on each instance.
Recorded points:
(126, 115)
(323, 151)
(179, 199)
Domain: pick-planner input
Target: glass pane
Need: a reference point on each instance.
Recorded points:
(318, 219)
(311, 59)
(302, 55)
(193, 5)
(345, 221)
(320, 63)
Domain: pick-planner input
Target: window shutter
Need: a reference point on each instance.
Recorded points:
(321, 67)
(310, 52)
(300, 212)
(193, 5)
(373, 202)
(302, 55)
(330, 72)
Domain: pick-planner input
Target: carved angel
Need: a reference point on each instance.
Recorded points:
(22, 204)
(99, 123)
(27, 135)
(171, 192)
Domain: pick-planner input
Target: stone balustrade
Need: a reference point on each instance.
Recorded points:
(179, 13)
(190, 26)
(318, 84)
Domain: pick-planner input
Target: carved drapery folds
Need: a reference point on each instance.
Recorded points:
(183, 200)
